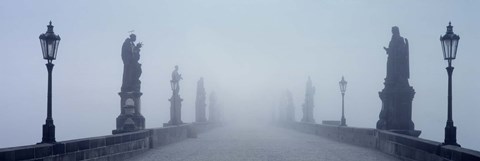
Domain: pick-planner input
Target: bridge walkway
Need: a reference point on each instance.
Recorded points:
(260, 143)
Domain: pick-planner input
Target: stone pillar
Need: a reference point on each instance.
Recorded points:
(175, 110)
(130, 118)
(308, 105)
(200, 105)
(397, 96)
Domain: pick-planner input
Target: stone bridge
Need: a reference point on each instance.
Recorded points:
(283, 139)
(276, 141)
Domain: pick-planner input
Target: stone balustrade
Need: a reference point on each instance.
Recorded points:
(402, 146)
(110, 147)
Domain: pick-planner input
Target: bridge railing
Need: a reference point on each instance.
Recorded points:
(401, 146)
(110, 147)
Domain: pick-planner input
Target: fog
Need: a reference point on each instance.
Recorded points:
(249, 52)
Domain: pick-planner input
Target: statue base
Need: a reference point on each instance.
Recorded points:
(129, 124)
(175, 110)
(396, 112)
(200, 115)
(130, 118)
(307, 114)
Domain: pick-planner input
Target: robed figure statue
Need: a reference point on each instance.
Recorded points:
(397, 96)
(398, 67)
(131, 68)
(130, 118)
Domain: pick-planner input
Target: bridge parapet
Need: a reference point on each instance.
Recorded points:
(110, 147)
(402, 146)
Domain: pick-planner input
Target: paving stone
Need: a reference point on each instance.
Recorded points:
(261, 143)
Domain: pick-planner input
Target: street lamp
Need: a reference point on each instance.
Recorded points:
(49, 42)
(343, 88)
(449, 43)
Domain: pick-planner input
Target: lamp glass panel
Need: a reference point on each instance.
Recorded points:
(56, 48)
(443, 49)
(454, 48)
(51, 50)
(447, 45)
(44, 49)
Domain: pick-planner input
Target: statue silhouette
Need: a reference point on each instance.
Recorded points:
(131, 68)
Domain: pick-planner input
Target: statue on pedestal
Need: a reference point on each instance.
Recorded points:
(175, 100)
(397, 96)
(130, 118)
(200, 105)
(308, 105)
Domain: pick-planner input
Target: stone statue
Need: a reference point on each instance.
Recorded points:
(130, 118)
(200, 105)
(175, 80)
(308, 105)
(175, 100)
(131, 68)
(397, 96)
(398, 58)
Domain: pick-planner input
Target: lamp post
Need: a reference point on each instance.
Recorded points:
(49, 42)
(343, 88)
(449, 43)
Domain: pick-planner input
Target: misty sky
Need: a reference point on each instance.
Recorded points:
(248, 52)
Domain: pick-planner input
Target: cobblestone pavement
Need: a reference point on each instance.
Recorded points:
(260, 143)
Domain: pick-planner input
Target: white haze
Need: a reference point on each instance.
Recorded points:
(248, 52)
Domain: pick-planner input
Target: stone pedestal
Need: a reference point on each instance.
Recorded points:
(130, 118)
(396, 113)
(308, 114)
(175, 111)
(200, 114)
